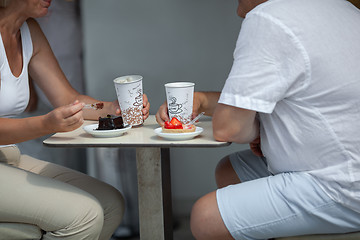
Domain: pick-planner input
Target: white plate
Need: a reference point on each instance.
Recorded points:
(178, 136)
(105, 133)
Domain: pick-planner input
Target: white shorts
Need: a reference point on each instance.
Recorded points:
(268, 206)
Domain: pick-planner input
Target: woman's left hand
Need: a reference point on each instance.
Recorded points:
(145, 110)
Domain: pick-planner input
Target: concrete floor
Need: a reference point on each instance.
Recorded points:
(181, 231)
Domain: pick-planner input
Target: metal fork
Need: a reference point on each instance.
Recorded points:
(96, 106)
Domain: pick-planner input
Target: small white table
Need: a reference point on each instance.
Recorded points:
(153, 168)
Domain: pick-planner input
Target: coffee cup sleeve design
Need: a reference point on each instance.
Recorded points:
(174, 107)
(138, 99)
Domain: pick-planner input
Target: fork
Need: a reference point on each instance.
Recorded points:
(195, 119)
(96, 106)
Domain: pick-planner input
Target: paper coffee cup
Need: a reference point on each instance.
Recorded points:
(179, 96)
(129, 92)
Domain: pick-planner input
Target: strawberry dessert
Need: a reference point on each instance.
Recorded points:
(175, 126)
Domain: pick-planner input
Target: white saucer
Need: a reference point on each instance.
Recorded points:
(178, 136)
(92, 129)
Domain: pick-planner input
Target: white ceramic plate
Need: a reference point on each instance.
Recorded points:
(178, 136)
(104, 133)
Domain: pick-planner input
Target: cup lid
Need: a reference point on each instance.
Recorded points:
(128, 79)
(179, 84)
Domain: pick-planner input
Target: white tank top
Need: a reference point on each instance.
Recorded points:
(14, 91)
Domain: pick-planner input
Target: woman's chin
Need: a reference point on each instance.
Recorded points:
(43, 13)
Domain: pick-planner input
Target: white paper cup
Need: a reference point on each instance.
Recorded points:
(179, 96)
(129, 92)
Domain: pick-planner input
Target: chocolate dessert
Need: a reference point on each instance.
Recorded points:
(110, 122)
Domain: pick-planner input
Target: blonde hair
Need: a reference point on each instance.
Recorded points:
(4, 3)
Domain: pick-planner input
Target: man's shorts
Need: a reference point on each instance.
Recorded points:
(266, 206)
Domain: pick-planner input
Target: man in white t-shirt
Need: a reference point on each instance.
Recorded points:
(294, 85)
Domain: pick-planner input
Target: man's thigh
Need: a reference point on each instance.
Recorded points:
(248, 166)
(286, 204)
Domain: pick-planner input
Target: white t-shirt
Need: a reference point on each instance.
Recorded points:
(297, 63)
(14, 90)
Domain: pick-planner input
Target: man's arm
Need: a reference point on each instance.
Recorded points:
(205, 102)
(232, 124)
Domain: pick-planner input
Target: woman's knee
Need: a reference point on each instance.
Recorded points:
(116, 210)
(225, 174)
(113, 203)
(82, 220)
(93, 216)
(98, 217)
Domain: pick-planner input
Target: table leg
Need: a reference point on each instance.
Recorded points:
(154, 193)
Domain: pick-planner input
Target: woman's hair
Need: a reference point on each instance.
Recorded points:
(4, 3)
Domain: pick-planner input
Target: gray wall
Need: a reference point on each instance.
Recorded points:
(165, 41)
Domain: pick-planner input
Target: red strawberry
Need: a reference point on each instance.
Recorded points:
(173, 124)
(168, 125)
(177, 124)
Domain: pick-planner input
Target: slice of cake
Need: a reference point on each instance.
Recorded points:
(110, 122)
(175, 126)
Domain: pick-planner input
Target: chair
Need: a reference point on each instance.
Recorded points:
(345, 236)
(17, 231)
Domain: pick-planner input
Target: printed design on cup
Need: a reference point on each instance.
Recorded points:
(179, 97)
(133, 114)
(130, 97)
(138, 98)
(180, 110)
(174, 107)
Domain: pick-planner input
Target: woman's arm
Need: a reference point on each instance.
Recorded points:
(46, 72)
(69, 113)
(62, 119)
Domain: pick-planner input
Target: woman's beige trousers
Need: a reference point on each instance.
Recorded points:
(63, 203)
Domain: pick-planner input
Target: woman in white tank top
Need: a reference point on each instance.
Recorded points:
(58, 202)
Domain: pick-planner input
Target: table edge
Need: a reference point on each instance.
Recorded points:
(175, 145)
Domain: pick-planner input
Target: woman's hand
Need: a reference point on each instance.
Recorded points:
(146, 108)
(115, 107)
(64, 119)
